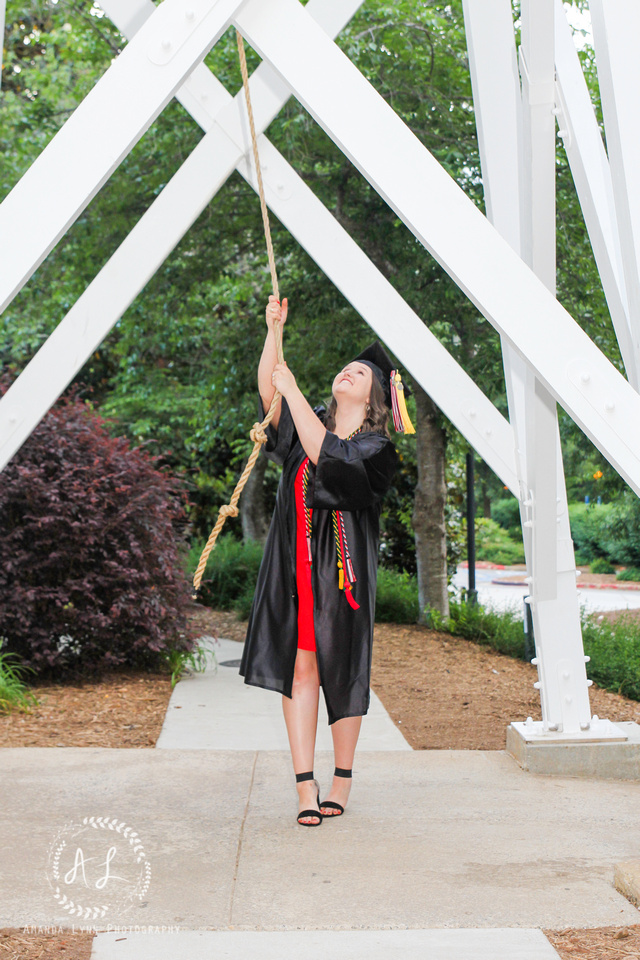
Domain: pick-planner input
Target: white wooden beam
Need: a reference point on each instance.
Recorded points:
(592, 177)
(443, 218)
(101, 131)
(615, 31)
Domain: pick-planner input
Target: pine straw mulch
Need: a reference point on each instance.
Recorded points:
(127, 709)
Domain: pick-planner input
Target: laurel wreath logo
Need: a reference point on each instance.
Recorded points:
(137, 892)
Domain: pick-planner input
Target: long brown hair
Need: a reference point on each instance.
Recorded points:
(377, 417)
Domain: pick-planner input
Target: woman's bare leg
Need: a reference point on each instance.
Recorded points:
(345, 734)
(301, 717)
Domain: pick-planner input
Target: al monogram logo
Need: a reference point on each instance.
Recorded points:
(97, 865)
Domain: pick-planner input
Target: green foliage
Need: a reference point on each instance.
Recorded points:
(588, 523)
(501, 630)
(620, 536)
(396, 597)
(506, 513)
(610, 530)
(629, 574)
(13, 692)
(181, 663)
(614, 648)
(495, 545)
(602, 565)
(232, 571)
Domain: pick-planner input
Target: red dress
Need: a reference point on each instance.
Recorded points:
(306, 632)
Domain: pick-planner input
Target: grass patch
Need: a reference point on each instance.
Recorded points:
(501, 630)
(14, 694)
(614, 648)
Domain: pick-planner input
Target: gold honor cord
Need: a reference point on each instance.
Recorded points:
(257, 433)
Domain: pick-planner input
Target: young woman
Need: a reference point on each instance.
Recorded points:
(311, 622)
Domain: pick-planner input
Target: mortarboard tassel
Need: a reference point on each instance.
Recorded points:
(401, 420)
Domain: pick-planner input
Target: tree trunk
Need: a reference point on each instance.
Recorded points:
(428, 510)
(255, 524)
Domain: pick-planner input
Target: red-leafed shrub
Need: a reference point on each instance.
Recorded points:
(90, 569)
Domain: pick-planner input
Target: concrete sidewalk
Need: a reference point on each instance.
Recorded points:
(217, 710)
(429, 839)
(440, 854)
(332, 944)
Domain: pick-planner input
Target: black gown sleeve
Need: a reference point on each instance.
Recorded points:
(353, 474)
(281, 439)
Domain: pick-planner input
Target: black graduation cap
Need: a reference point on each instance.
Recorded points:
(376, 357)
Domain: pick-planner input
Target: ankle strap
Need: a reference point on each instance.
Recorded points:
(304, 776)
(341, 772)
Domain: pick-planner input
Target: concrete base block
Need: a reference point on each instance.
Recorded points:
(603, 760)
(626, 880)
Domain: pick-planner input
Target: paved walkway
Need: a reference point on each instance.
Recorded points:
(510, 597)
(441, 853)
(217, 710)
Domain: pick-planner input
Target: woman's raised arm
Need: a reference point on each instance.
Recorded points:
(274, 314)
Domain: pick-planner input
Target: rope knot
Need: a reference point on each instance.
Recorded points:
(228, 510)
(257, 434)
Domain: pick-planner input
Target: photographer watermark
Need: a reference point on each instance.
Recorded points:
(96, 865)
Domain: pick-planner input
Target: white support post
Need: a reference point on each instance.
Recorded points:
(562, 678)
(182, 200)
(517, 147)
(578, 127)
(615, 32)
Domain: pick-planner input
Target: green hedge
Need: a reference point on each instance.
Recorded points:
(504, 631)
(231, 574)
(495, 545)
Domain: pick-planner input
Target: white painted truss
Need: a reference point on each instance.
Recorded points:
(504, 262)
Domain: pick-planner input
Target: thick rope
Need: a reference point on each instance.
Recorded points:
(257, 433)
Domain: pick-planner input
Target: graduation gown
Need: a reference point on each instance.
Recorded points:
(352, 476)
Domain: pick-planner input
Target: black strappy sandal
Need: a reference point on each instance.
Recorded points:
(309, 813)
(338, 772)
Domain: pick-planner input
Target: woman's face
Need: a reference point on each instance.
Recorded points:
(353, 383)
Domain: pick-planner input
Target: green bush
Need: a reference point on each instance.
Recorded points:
(629, 574)
(396, 597)
(602, 565)
(494, 544)
(588, 523)
(14, 694)
(614, 648)
(501, 630)
(506, 513)
(620, 536)
(232, 571)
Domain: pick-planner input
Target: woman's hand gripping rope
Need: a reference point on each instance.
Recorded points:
(276, 316)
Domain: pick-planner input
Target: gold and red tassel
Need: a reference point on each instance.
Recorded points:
(401, 420)
(345, 567)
